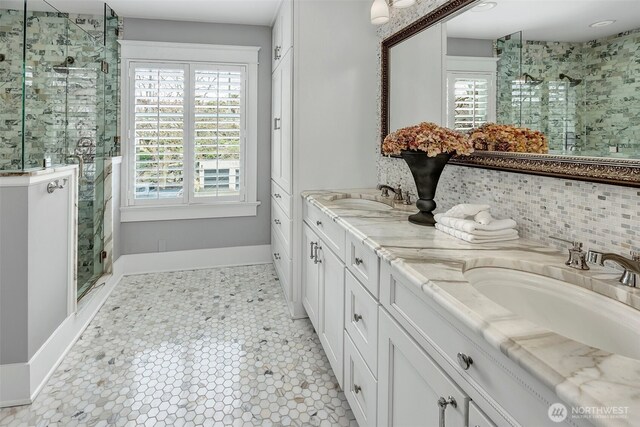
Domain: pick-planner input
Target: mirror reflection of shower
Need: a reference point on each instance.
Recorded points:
(572, 82)
(527, 78)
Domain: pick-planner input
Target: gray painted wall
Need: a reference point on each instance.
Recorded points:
(469, 47)
(143, 237)
(13, 274)
(34, 239)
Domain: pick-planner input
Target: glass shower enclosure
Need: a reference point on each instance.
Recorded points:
(59, 88)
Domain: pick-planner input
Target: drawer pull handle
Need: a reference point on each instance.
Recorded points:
(316, 260)
(359, 261)
(277, 196)
(464, 361)
(312, 244)
(357, 389)
(319, 223)
(276, 124)
(357, 317)
(442, 404)
(277, 221)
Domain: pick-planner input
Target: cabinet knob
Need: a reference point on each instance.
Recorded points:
(277, 221)
(357, 389)
(359, 261)
(319, 223)
(464, 361)
(276, 255)
(357, 317)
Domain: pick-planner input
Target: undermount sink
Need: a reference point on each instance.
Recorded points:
(361, 204)
(566, 309)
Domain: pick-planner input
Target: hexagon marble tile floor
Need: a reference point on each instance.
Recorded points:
(209, 347)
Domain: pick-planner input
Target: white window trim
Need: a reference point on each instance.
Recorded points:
(140, 51)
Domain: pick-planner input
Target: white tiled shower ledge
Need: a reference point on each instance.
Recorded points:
(435, 262)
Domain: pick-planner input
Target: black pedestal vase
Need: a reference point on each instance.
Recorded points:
(426, 172)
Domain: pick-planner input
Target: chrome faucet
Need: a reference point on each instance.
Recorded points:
(577, 257)
(631, 265)
(385, 191)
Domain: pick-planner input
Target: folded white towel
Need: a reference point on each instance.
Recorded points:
(472, 238)
(464, 210)
(484, 218)
(470, 226)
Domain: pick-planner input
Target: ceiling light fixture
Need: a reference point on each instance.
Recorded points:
(602, 23)
(379, 12)
(380, 9)
(484, 6)
(401, 4)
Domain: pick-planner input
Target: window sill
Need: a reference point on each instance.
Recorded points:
(177, 212)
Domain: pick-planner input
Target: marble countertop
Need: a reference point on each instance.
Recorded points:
(434, 261)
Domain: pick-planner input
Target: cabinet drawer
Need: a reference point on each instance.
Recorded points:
(361, 321)
(360, 386)
(331, 233)
(282, 198)
(282, 226)
(477, 418)
(512, 396)
(363, 263)
(281, 262)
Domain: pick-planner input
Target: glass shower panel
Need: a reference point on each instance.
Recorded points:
(111, 87)
(85, 141)
(511, 90)
(11, 80)
(46, 70)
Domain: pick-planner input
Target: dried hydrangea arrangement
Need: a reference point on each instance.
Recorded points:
(427, 137)
(495, 137)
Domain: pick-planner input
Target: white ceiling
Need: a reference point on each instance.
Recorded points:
(548, 20)
(247, 12)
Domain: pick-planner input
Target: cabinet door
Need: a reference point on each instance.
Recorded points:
(276, 42)
(286, 122)
(331, 305)
(286, 26)
(310, 275)
(276, 126)
(410, 383)
(477, 418)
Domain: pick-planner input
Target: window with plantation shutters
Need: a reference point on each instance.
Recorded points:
(159, 117)
(218, 131)
(470, 100)
(188, 133)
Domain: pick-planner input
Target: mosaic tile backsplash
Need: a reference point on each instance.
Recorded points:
(604, 217)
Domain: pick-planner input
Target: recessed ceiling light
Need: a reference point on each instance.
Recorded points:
(484, 6)
(602, 23)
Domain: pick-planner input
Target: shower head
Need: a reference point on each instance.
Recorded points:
(64, 66)
(528, 78)
(572, 82)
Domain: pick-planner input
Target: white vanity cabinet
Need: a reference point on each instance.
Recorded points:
(411, 384)
(323, 296)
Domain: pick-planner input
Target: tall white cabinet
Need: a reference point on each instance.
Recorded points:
(324, 86)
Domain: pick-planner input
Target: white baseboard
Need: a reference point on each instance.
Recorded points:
(20, 383)
(195, 259)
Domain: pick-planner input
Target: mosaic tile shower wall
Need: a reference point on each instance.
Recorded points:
(604, 217)
(589, 117)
